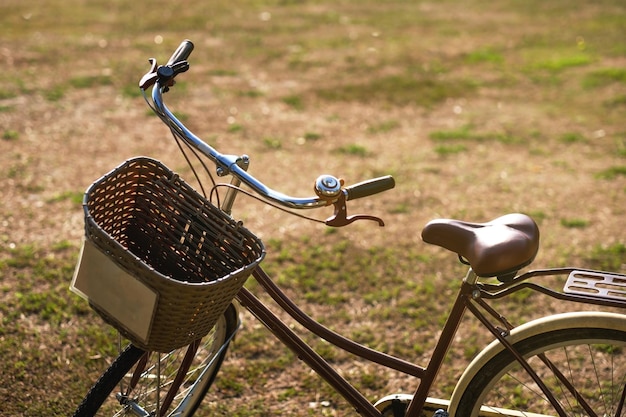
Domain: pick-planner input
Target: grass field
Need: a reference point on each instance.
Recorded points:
(477, 109)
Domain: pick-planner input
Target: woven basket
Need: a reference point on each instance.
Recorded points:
(160, 263)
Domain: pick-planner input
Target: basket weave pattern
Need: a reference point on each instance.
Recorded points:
(156, 227)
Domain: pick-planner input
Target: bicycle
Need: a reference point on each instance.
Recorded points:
(564, 364)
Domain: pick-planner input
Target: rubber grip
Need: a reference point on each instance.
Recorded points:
(182, 52)
(370, 187)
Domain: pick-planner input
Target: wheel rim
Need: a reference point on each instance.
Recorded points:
(596, 367)
(151, 388)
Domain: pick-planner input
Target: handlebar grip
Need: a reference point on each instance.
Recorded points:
(181, 53)
(370, 187)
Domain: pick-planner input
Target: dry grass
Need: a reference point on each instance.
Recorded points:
(476, 108)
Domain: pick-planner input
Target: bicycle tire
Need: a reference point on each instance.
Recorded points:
(501, 385)
(101, 399)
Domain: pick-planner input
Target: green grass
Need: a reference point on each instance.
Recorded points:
(76, 197)
(416, 89)
(251, 93)
(220, 72)
(484, 55)
(42, 292)
(560, 62)
(620, 146)
(7, 94)
(89, 81)
(612, 172)
(383, 127)
(354, 149)
(294, 102)
(271, 142)
(55, 93)
(574, 223)
(345, 78)
(235, 128)
(10, 135)
(619, 101)
(312, 136)
(572, 137)
(604, 77)
(466, 134)
(608, 257)
(445, 150)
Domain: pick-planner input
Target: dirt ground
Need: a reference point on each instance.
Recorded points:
(522, 135)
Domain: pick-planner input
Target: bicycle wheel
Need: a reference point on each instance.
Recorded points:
(109, 396)
(592, 364)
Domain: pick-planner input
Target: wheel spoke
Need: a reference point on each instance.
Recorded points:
(583, 369)
(161, 380)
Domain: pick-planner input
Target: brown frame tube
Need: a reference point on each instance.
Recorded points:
(304, 352)
(426, 376)
(280, 330)
(329, 335)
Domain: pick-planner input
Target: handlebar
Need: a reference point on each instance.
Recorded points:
(181, 53)
(370, 187)
(329, 189)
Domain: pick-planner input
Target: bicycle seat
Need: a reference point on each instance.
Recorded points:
(498, 248)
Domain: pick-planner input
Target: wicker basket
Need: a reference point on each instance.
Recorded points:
(160, 262)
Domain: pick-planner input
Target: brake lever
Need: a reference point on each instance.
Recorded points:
(149, 77)
(340, 218)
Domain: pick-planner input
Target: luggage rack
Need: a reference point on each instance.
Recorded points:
(596, 284)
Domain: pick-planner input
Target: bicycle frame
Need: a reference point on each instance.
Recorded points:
(472, 296)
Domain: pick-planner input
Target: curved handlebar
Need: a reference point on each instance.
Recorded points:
(231, 164)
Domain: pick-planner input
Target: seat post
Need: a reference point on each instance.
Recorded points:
(470, 278)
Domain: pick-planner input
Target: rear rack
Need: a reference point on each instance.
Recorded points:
(596, 284)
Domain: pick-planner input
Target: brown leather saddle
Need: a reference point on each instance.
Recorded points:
(498, 248)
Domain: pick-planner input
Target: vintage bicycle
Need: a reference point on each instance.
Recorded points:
(166, 267)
